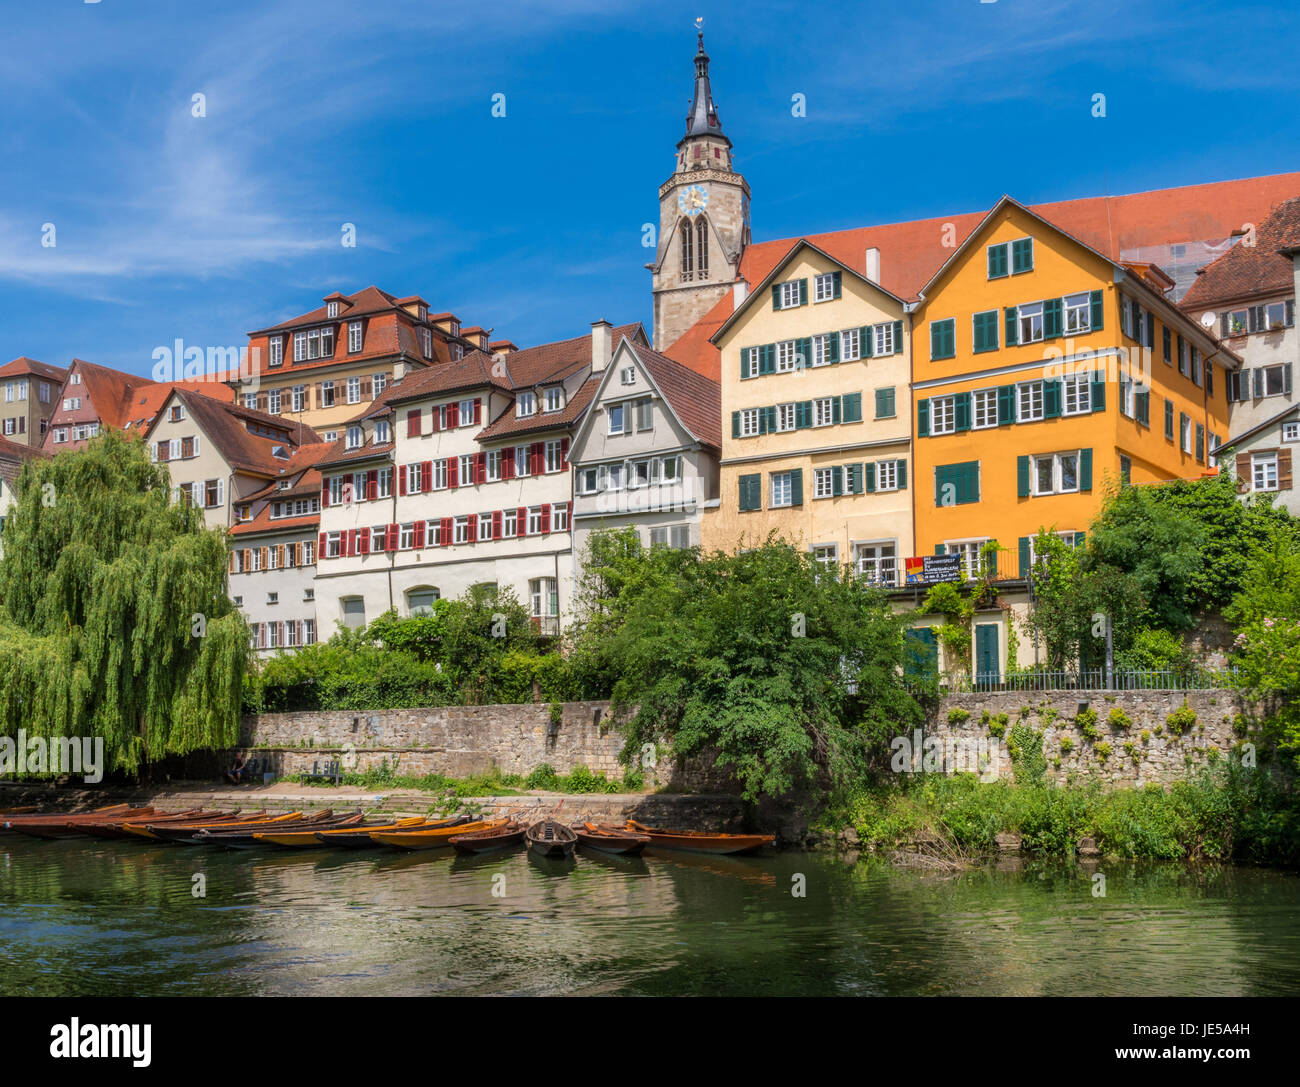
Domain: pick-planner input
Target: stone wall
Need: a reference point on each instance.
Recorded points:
(1155, 753)
(458, 741)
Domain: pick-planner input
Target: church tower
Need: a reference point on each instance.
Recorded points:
(703, 220)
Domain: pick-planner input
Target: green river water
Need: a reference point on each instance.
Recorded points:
(119, 918)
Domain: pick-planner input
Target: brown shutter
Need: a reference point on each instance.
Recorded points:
(232, 562)
(279, 555)
(319, 396)
(261, 402)
(264, 563)
(248, 559)
(1284, 469)
(1243, 467)
(365, 390)
(297, 554)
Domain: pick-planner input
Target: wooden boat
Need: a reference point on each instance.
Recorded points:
(247, 839)
(696, 841)
(19, 811)
(175, 832)
(438, 838)
(360, 838)
(551, 839)
(608, 840)
(13, 822)
(112, 828)
(486, 841)
(66, 826)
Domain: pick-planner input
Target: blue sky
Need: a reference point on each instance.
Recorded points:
(322, 112)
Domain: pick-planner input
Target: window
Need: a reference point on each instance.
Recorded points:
(1185, 432)
(413, 481)
(510, 523)
(676, 536)
(353, 438)
(72, 403)
(522, 466)
(299, 346)
(885, 406)
(333, 545)
(1022, 255)
(782, 490)
(877, 562)
(354, 390)
(273, 401)
(968, 552)
(823, 349)
(420, 601)
(1029, 322)
(823, 483)
(884, 334)
(789, 295)
(1169, 420)
(823, 411)
(957, 484)
(984, 408)
(998, 262)
(554, 456)
(290, 633)
(748, 422)
(943, 339)
(627, 375)
(384, 483)
(426, 342)
(826, 554)
(544, 598)
(465, 412)
(492, 472)
(534, 524)
(1078, 394)
(44, 393)
(327, 394)
(943, 415)
(644, 414)
(887, 475)
(670, 469)
(1272, 380)
(484, 528)
(850, 344)
(354, 611)
(617, 420)
(553, 397)
(1263, 468)
(826, 287)
(299, 398)
(214, 493)
(560, 517)
(1056, 473)
(985, 331)
(1078, 313)
(382, 432)
(465, 470)
(1029, 401)
(1291, 432)
(786, 417)
(250, 401)
(309, 632)
(525, 404)
(406, 536)
(1278, 315)
(787, 357)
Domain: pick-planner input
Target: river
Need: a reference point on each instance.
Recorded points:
(121, 918)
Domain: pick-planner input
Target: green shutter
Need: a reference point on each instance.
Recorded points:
(1024, 556)
(1012, 332)
(870, 469)
(962, 413)
(803, 351)
(835, 284)
(923, 418)
(885, 407)
(851, 410)
(1085, 469)
(1143, 407)
(1099, 390)
(803, 292)
(939, 549)
(853, 481)
(1200, 442)
(1022, 255)
(1022, 476)
(902, 475)
(837, 480)
(750, 492)
(865, 344)
(1051, 318)
(735, 424)
(1006, 404)
(776, 296)
(1168, 343)
(1051, 399)
(1169, 420)
(767, 359)
(744, 363)
(833, 347)
(802, 414)
(769, 419)
(898, 337)
(997, 261)
(1080, 538)
(835, 409)
(942, 339)
(796, 485)
(1096, 317)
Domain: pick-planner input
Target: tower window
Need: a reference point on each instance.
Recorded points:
(688, 255)
(702, 248)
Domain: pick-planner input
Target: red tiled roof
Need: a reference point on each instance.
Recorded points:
(143, 403)
(340, 454)
(367, 300)
(263, 524)
(23, 365)
(224, 426)
(911, 252)
(1246, 272)
(12, 456)
(507, 424)
(696, 399)
(475, 370)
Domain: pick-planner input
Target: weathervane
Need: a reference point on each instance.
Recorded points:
(699, 23)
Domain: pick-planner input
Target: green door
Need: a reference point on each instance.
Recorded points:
(987, 670)
(920, 653)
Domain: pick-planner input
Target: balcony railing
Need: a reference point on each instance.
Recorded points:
(1092, 679)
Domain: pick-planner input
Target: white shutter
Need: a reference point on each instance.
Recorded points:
(174, 449)
(221, 492)
(196, 445)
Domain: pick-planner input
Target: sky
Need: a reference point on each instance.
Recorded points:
(320, 113)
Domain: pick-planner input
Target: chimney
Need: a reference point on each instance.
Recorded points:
(739, 292)
(602, 345)
(873, 264)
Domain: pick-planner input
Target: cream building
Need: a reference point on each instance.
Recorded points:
(815, 417)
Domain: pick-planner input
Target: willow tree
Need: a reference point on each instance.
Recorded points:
(114, 618)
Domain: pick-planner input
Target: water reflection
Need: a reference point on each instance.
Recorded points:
(107, 918)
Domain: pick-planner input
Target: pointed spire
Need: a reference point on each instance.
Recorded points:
(703, 118)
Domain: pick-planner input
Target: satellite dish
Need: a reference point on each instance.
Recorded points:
(1208, 319)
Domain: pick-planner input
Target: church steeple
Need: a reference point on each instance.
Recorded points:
(703, 118)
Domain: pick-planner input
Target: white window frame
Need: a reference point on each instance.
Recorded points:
(1025, 395)
(823, 483)
(748, 422)
(1263, 472)
(781, 491)
(883, 334)
(943, 415)
(824, 287)
(1026, 316)
(983, 409)
(1076, 313)
(871, 561)
(823, 411)
(850, 345)
(1078, 387)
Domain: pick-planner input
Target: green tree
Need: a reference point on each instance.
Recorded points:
(114, 618)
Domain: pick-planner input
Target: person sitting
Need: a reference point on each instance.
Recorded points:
(236, 773)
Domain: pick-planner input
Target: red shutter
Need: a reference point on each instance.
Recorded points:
(537, 458)
(435, 419)
(478, 410)
(521, 520)
(426, 475)
(401, 479)
(324, 492)
(419, 534)
(480, 466)
(564, 454)
(390, 544)
(444, 532)
(453, 416)
(372, 486)
(453, 467)
(413, 423)
(473, 528)
(352, 542)
(507, 464)
(320, 548)
(363, 541)
(546, 520)
(496, 524)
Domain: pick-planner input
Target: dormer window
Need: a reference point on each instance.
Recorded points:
(553, 398)
(455, 328)
(75, 379)
(331, 309)
(277, 350)
(279, 452)
(245, 513)
(354, 337)
(424, 313)
(426, 341)
(354, 437)
(283, 484)
(525, 404)
(381, 432)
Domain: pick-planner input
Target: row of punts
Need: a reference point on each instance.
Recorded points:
(326, 830)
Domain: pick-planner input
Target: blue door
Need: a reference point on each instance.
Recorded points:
(988, 672)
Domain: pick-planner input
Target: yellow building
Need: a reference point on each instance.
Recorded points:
(1042, 371)
(815, 431)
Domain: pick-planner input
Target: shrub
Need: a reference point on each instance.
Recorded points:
(1103, 750)
(1067, 745)
(1118, 719)
(1181, 720)
(1086, 722)
(957, 715)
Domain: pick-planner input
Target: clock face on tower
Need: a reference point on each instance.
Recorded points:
(692, 200)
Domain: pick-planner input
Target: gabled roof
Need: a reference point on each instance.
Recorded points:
(1235, 439)
(12, 456)
(694, 399)
(532, 366)
(23, 365)
(225, 425)
(109, 391)
(340, 454)
(1257, 271)
(145, 402)
(910, 252)
(263, 525)
(508, 425)
(476, 370)
(366, 301)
